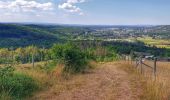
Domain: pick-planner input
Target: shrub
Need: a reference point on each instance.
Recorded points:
(17, 85)
(74, 59)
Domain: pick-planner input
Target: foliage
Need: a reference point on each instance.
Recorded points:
(17, 85)
(127, 47)
(73, 58)
(23, 55)
(6, 71)
(18, 35)
(95, 50)
(102, 53)
(5, 96)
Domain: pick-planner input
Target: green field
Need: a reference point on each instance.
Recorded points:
(160, 43)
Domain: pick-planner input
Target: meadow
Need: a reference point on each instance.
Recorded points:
(160, 43)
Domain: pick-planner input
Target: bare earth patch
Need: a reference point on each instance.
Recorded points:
(106, 82)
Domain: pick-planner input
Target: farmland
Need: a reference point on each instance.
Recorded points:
(160, 43)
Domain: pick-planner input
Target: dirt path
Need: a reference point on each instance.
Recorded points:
(108, 82)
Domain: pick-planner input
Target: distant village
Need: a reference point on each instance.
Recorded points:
(123, 32)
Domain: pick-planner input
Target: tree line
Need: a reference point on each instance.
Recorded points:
(23, 55)
(96, 50)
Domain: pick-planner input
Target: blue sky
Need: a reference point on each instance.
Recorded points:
(103, 12)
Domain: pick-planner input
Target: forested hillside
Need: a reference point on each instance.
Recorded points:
(45, 35)
(42, 35)
(21, 35)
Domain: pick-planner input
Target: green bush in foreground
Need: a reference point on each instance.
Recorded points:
(74, 59)
(16, 85)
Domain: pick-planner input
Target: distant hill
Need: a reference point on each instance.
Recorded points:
(42, 35)
(16, 35)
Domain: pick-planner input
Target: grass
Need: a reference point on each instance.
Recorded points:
(25, 80)
(5, 96)
(17, 86)
(160, 43)
(45, 76)
(63, 82)
(54, 82)
(42, 73)
(151, 89)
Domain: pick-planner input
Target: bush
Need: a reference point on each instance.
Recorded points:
(74, 59)
(17, 85)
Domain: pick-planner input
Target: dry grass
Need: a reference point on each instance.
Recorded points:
(158, 89)
(42, 76)
(105, 82)
(162, 80)
(54, 82)
(63, 83)
(29, 65)
(44, 80)
(141, 85)
(92, 64)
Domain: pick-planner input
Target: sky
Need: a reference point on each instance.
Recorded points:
(88, 12)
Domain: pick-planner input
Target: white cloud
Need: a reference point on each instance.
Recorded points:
(69, 6)
(75, 1)
(18, 6)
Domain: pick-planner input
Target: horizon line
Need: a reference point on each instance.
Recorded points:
(50, 23)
